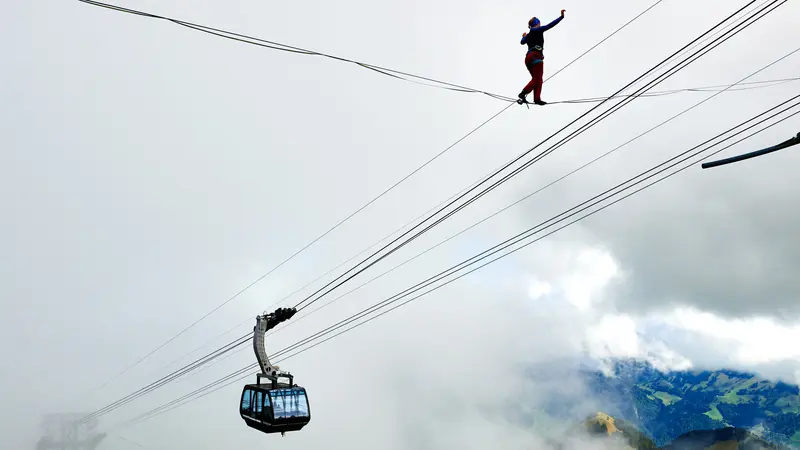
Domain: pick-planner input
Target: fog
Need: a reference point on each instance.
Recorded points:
(149, 172)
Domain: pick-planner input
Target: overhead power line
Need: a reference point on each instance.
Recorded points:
(340, 223)
(600, 199)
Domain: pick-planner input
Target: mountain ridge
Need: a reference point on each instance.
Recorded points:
(664, 405)
(668, 404)
(605, 427)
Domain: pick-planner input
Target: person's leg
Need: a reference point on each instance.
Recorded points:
(531, 65)
(528, 88)
(537, 74)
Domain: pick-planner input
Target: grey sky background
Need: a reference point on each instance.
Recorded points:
(148, 172)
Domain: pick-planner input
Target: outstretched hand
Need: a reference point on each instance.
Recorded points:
(562, 12)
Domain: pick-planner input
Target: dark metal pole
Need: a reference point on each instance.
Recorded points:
(793, 141)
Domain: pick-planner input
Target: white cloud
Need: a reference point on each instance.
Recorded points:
(593, 270)
(539, 289)
(248, 154)
(621, 336)
(747, 343)
(579, 276)
(614, 336)
(676, 339)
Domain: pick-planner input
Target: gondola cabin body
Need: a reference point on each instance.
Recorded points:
(278, 410)
(272, 406)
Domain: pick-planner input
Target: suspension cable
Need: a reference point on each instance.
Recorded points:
(700, 53)
(340, 223)
(346, 277)
(594, 201)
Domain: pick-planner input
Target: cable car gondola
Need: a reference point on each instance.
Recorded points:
(273, 406)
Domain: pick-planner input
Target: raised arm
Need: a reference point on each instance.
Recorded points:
(524, 38)
(553, 23)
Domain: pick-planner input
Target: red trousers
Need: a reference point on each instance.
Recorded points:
(537, 72)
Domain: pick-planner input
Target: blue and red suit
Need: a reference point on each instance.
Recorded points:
(534, 59)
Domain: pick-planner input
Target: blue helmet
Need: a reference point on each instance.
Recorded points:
(534, 22)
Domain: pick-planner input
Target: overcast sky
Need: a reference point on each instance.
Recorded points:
(148, 172)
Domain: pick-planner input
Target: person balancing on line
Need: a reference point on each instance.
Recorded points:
(534, 59)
